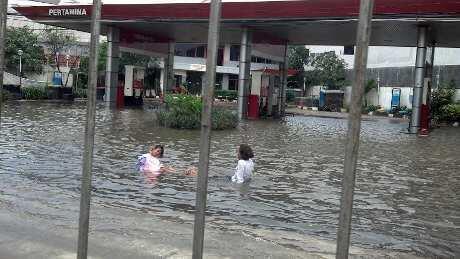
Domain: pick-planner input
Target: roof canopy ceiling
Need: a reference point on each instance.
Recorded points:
(309, 22)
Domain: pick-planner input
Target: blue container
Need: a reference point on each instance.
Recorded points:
(395, 97)
(57, 78)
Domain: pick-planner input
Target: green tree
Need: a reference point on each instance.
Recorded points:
(57, 41)
(24, 39)
(298, 57)
(329, 70)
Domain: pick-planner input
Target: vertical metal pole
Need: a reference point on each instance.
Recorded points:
(3, 15)
(85, 199)
(378, 88)
(20, 70)
(244, 73)
(112, 66)
(284, 83)
(420, 64)
(205, 138)
(354, 127)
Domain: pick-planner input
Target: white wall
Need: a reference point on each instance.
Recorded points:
(457, 95)
(384, 99)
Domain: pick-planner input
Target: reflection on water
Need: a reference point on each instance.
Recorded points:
(406, 197)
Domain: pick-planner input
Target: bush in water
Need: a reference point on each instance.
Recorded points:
(184, 112)
(223, 119)
(229, 95)
(450, 113)
(79, 93)
(34, 93)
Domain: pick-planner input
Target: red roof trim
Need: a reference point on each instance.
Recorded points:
(304, 9)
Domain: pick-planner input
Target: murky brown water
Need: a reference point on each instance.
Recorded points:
(407, 197)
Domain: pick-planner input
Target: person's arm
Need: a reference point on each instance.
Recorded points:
(167, 169)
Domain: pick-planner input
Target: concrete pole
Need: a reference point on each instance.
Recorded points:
(244, 73)
(205, 138)
(169, 67)
(354, 127)
(85, 199)
(3, 15)
(163, 78)
(420, 64)
(284, 71)
(112, 66)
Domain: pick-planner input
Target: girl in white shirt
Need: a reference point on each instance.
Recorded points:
(245, 165)
(150, 162)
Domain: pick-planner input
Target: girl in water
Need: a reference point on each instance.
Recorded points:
(244, 168)
(245, 165)
(150, 162)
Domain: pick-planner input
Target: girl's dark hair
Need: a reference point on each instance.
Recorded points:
(245, 152)
(161, 148)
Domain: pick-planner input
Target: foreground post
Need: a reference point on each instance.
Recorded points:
(284, 72)
(244, 74)
(354, 127)
(420, 66)
(3, 15)
(205, 138)
(85, 199)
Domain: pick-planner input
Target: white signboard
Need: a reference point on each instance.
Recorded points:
(67, 12)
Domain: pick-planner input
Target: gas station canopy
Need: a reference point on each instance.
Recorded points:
(309, 22)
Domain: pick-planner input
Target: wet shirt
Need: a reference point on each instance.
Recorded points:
(148, 163)
(243, 171)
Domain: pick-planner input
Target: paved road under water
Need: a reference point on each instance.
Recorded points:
(407, 197)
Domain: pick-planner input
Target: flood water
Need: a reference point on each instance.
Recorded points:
(407, 195)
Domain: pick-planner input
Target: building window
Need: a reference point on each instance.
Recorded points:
(200, 52)
(190, 50)
(220, 57)
(234, 53)
(191, 53)
(233, 82)
(178, 80)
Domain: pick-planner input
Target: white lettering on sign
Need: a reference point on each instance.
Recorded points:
(67, 12)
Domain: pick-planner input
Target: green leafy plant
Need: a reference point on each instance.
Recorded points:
(184, 112)
(450, 112)
(34, 93)
(441, 98)
(223, 119)
(79, 93)
(371, 108)
(229, 95)
(26, 40)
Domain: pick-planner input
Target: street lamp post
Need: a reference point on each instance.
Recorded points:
(67, 58)
(20, 67)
